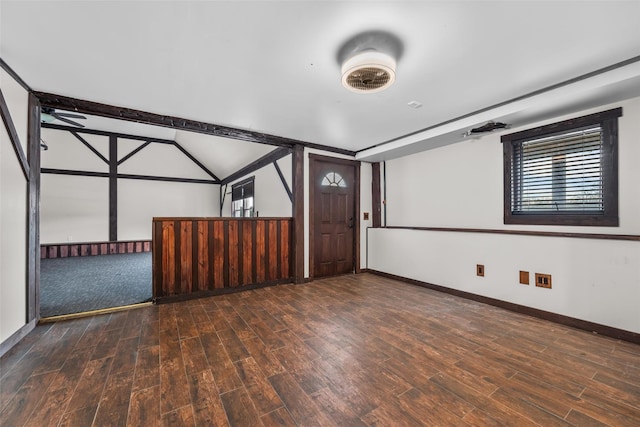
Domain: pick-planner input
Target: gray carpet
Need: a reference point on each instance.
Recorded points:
(77, 284)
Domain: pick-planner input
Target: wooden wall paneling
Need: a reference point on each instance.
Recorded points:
(204, 256)
(248, 253)
(240, 253)
(186, 257)
(205, 249)
(279, 250)
(285, 248)
(168, 258)
(232, 250)
(273, 250)
(260, 252)
(220, 270)
(156, 258)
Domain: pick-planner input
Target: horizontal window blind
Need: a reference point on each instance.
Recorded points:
(560, 173)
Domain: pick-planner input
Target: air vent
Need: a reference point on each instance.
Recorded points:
(368, 72)
(489, 127)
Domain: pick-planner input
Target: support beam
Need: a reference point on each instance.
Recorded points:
(33, 234)
(196, 161)
(13, 136)
(223, 195)
(15, 76)
(131, 154)
(284, 181)
(113, 189)
(105, 133)
(126, 176)
(376, 196)
(121, 113)
(297, 209)
(270, 157)
(90, 147)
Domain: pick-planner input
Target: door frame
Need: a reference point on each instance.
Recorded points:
(314, 159)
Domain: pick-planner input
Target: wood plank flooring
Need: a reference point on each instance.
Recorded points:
(348, 351)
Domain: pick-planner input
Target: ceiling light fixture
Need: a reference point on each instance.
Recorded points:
(368, 72)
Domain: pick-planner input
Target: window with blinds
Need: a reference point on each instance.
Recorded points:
(561, 173)
(565, 173)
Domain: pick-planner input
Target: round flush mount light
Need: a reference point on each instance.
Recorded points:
(368, 72)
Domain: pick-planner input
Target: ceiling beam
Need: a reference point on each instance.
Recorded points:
(126, 176)
(14, 75)
(106, 133)
(138, 116)
(263, 161)
(196, 161)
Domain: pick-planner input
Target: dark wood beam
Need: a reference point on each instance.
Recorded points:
(297, 209)
(113, 189)
(131, 154)
(196, 161)
(122, 113)
(270, 157)
(33, 233)
(284, 181)
(376, 202)
(13, 136)
(14, 75)
(223, 195)
(106, 133)
(126, 176)
(90, 147)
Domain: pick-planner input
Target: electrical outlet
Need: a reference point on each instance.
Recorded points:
(480, 270)
(543, 280)
(524, 277)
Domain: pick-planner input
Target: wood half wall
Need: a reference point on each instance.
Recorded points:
(63, 250)
(207, 256)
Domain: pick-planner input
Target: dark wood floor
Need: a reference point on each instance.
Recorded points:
(348, 351)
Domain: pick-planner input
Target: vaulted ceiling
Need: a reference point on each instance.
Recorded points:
(273, 66)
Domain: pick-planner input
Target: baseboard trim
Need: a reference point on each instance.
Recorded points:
(221, 291)
(62, 317)
(15, 338)
(596, 328)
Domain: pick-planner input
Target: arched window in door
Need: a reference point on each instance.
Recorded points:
(333, 179)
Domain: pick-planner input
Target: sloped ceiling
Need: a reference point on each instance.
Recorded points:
(272, 66)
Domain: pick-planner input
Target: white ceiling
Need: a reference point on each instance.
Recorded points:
(272, 67)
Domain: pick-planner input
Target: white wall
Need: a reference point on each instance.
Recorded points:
(461, 186)
(76, 208)
(13, 216)
(73, 209)
(139, 201)
(270, 197)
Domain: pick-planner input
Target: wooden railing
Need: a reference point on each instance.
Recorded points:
(207, 256)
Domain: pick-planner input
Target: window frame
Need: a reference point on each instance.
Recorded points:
(242, 184)
(608, 121)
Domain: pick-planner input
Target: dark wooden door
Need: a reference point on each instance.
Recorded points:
(334, 218)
